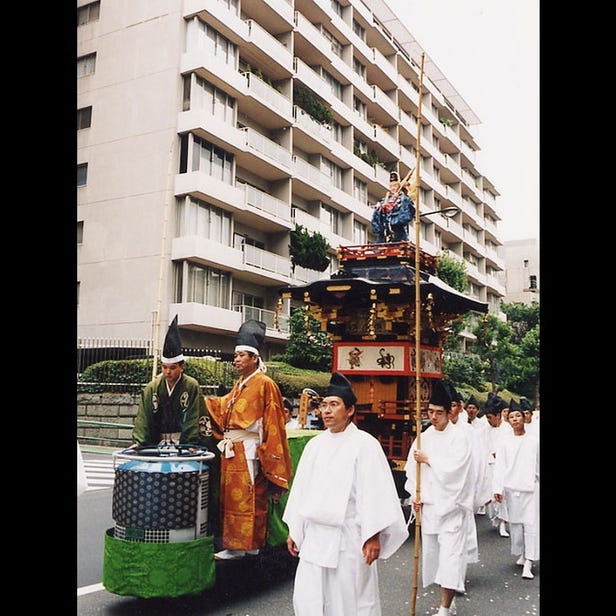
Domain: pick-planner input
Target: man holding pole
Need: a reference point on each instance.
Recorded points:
(447, 490)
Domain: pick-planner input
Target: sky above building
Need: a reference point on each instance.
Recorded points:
(489, 52)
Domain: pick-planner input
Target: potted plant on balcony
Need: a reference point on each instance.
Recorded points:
(309, 250)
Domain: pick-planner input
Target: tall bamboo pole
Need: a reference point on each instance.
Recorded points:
(417, 346)
(163, 242)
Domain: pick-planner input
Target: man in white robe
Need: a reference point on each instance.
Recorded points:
(516, 483)
(343, 513)
(446, 498)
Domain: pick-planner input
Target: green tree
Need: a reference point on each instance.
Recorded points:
(453, 272)
(308, 347)
(521, 369)
(309, 250)
(494, 347)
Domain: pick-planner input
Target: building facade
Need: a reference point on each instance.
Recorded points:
(209, 129)
(521, 271)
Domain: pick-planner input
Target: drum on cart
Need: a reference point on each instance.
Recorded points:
(160, 545)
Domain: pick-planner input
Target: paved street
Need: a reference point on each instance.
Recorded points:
(263, 585)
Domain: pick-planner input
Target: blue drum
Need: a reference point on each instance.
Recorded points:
(160, 546)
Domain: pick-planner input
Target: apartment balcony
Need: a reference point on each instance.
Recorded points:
(280, 323)
(264, 104)
(470, 184)
(219, 15)
(266, 52)
(311, 79)
(302, 275)
(453, 167)
(263, 156)
(248, 204)
(344, 199)
(215, 70)
(252, 264)
(490, 226)
(311, 223)
(387, 111)
(207, 252)
(493, 283)
(309, 43)
(407, 130)
(205, 187)
(274, 15)
(386, 75)
(360, 85)
(470, 209)
(408, 97)
(489, 199)
(381, 176)
(450, 137)
(407, 157)
(309, 181)
(206, 318)
(493, 259)
(383, 138)
(452, 197)
(205, 125)
(263, 210)
(310, 135)
(216, 320)
(264, 263)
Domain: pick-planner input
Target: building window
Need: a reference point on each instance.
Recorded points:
(359, 68)
(212, 160)
(88, 13)
(360, 235)
(251, 306)
(86, 65)
(80, 231)
(213, 42)
(335, 44)
(204, 285)
(334, 171)
(532, 282)
(82, 174)
(525, 262)
(199, 218)
(209, 98)
(360, 107)
(84, 117)
(336, 7)
(360, 191)
(359, 30)
(332, 218)
(334, 84)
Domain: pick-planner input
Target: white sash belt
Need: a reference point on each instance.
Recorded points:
(233, 436)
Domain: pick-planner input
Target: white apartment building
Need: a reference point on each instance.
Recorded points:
(521, 271)
(198, 152)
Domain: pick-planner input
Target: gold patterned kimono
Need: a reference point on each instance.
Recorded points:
(249, 424)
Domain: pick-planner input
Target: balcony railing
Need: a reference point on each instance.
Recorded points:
(261, 314)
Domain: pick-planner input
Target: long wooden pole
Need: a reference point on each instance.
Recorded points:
(417, 347)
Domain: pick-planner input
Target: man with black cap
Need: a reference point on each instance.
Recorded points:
(392, 214)
(343, 513)
(171, 404)
(447, 498)
(255, 462)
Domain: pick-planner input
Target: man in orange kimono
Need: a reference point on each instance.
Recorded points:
(255, 462)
